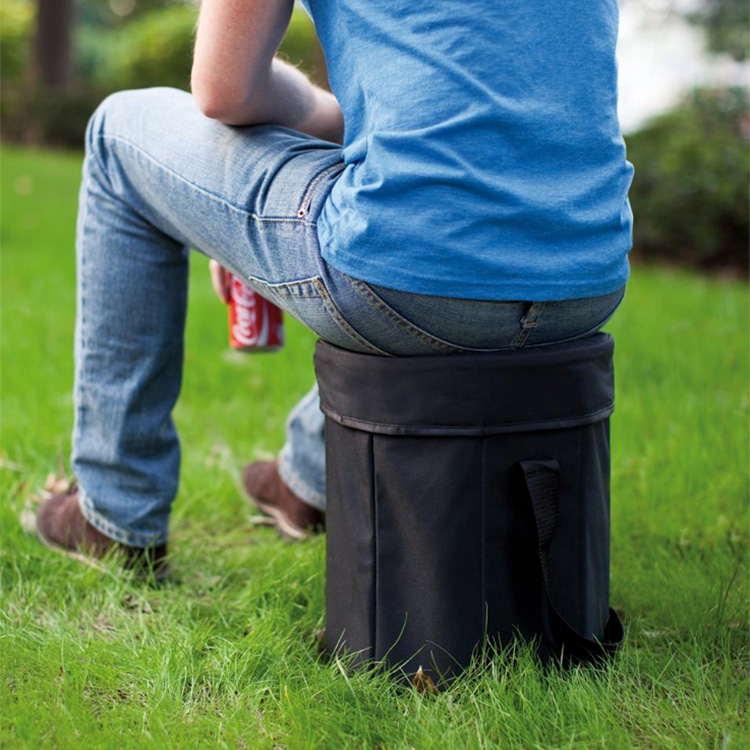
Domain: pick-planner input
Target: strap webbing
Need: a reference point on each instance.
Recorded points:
(539, 479)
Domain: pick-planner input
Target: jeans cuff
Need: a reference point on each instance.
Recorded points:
(296, 484)
(109, 529)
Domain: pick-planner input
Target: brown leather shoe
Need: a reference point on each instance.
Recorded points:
(293, 517)
(61, 526)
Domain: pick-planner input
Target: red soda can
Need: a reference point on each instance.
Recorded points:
(255, 324)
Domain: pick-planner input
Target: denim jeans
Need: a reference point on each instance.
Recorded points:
(159, 178)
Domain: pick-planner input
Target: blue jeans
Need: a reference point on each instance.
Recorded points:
(159, 178)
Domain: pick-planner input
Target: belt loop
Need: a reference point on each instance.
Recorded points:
(528, 322)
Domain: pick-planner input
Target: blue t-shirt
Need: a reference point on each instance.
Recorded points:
(484, 156)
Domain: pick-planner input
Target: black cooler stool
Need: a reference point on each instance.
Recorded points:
(468, 499)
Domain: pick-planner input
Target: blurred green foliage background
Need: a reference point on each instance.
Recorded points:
(691, 188)
(150, 45)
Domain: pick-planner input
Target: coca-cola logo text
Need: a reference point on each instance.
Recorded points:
(249, 328)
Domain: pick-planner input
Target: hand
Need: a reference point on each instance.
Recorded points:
(221, 280)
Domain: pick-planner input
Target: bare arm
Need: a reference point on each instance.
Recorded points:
(237, 80)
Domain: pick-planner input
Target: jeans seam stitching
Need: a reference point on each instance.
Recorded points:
(118, 534)
(343, 324)
(80, 375)
(198, 188)
(308, 196)
(590, 332)
(281, 287)
(367, 294)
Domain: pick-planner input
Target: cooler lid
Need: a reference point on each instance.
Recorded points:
(522, 390)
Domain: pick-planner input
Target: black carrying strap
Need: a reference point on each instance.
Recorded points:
(540, 480)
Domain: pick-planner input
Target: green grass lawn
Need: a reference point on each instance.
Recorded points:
(224, 655)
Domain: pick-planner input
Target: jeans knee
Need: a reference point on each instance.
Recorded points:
(119, 112)
(105, 116)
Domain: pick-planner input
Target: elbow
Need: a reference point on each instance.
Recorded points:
(217, 110)
(227, 104)
(209, 106)
(212, 102)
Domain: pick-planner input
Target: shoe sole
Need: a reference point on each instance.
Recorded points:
(80, 557)
(286, 529)
(92, 562)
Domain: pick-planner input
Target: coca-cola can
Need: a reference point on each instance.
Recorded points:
(255, 324)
